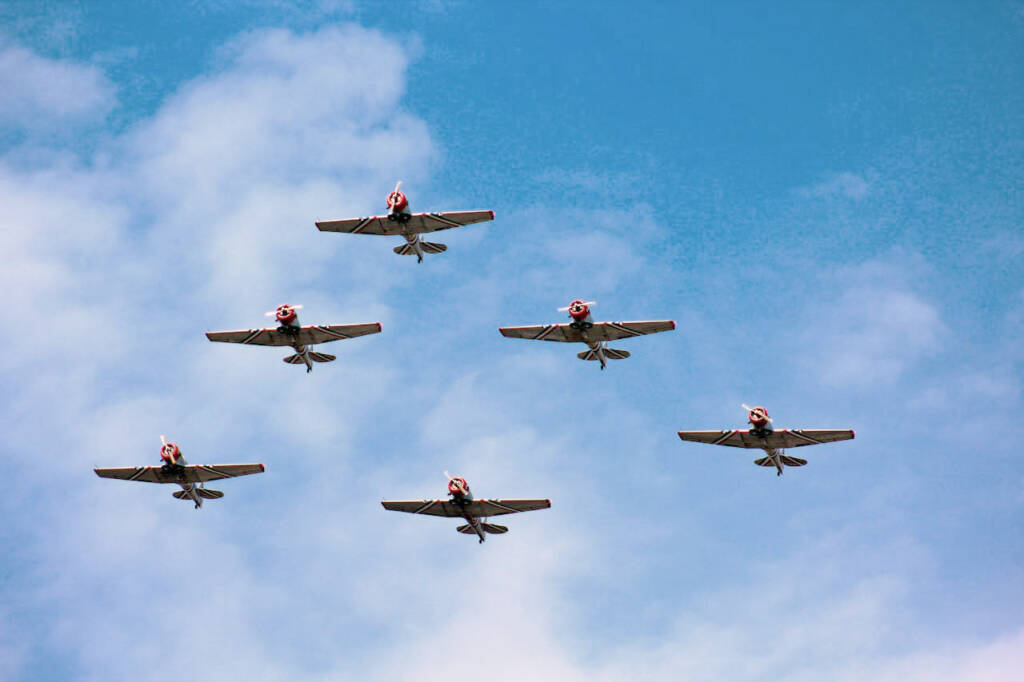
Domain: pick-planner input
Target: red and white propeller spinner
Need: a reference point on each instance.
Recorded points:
(169, 452)
(285, 313)
(578, 309)
(758, 416)
(457, 485)
(397, 200)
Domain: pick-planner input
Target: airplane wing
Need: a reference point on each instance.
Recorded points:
(610, 331)
(193, 473)
(370, 225)
(543, 332)
(418, 223)
(305, 336)
(782, 438)
(600, 331)
(499, 507)
(429, 507)
(474, 508)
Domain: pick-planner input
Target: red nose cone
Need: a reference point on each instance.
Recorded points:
(169, 452)
(397, 201)
(285, 314)
(758, 416)
(457, 486)
(578, 310)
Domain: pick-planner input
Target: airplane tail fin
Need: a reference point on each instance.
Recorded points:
(181, 495)
(764, 462)
(610, 353)
(793, 461)
(209, 494)
(294, 359)
(494, 529)
(467, 529)
(321, 357)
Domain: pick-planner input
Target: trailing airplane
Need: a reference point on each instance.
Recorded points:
(594, 334)
(762, 435)
(289, 333)
(401, 221)
(462, 504)
(190, 477)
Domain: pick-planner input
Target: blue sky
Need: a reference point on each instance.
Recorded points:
(825, 198)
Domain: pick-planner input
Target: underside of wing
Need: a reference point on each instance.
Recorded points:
(198, 473)
(431, 222)
(733, 438)
(144, 474)
(794, 438)
(782, 438)
(254, 337)
(543, 332)
(428, 507)
(610, 331)
(369, 225)
(334, 332)
(499, 507)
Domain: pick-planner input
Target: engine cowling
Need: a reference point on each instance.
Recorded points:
(458, 487)
(397, 201)
(578, 310)
(758, 417)
(285, 314)
(170, 453)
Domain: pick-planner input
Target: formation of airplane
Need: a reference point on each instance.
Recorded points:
(191, 477)
(762, 435)
(289, 333)
(401, 221)
(595, 334)
(581, 329)
(463, 505)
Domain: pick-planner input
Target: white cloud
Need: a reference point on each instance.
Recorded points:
(42, 93)
(874, 328)
(841, 185)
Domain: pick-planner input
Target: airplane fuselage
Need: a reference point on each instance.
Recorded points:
(177, 468)
(463, 501)
(584, 324)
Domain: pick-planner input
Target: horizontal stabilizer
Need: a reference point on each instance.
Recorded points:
(494, 528)
(182, 495)
(321, 357)
(764, 462)
(294, 359)
(609, 353)
(793, 461)
(209, 494)
(467, 529)
(433, 247)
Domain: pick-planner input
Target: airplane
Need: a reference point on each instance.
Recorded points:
(462, 504)
(594, 334)
(289, 333)
(400, 221)
(762, 435)
(190, 477)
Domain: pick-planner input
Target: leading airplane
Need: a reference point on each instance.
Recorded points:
(401, 221)
(463, 505)
(190, 477)
(594, 334)
(762, 435)
(289, 333)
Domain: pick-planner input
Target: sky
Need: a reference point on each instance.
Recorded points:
(826, 198)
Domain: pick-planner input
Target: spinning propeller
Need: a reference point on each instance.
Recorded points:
(456, 483)
(757, 414)
(586, 303)
(286, 308)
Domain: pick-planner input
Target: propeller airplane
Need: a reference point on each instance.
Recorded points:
(763, 435)
(463, 505)
(401, 221)
(594, 334)
(289, 333)
(190, 477)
